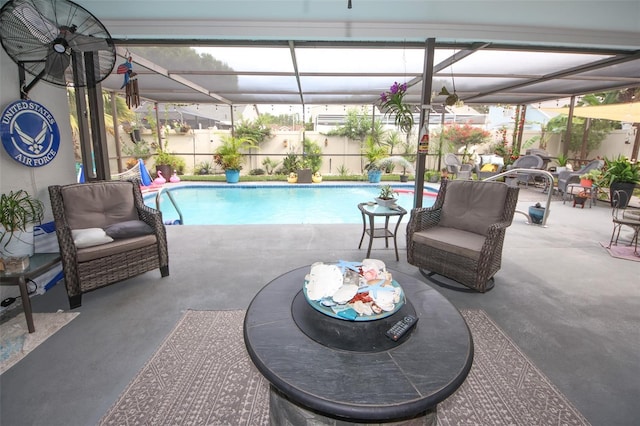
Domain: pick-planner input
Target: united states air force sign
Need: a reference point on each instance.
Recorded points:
(29, 133)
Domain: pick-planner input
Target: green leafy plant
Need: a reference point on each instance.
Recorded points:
(17, 210)
(140, 149)
(593, 175)
(313, 155)
(229, 154)
(343, 170)
(620, 170)
(392, 102)
(172, 160)
(203, 168)
(389, 163)
(374, 152)
(386, 192)
(291, 163)
(270, 165)
(562, 160)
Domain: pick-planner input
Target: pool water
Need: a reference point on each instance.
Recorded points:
(270, 205)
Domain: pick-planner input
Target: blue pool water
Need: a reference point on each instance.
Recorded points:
(275, 204)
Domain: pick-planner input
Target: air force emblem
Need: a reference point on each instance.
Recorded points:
(29, 133)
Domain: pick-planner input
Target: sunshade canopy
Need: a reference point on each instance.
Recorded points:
(618, 112)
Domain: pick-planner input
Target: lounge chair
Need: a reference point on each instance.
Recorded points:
(461, 236)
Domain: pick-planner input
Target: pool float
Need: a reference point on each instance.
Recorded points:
(411, 191)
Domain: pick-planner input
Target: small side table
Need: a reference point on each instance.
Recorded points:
(39, 263)
(371, 210)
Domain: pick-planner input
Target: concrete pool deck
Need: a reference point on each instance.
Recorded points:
(567, 304)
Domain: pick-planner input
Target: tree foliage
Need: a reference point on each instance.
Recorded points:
(257, 130)
(464, 135)
(598, 130)
(357, 125)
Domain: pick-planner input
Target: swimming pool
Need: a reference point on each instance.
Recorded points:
(272, 204)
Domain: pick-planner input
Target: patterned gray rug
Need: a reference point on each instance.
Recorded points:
(202, 375)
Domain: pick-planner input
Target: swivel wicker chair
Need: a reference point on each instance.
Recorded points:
(106, 234)
(461, 236)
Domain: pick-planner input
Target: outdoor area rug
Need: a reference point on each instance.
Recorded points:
(16, 341)
(622, 251)
(202, 375)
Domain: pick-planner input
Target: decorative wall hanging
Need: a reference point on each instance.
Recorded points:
(29, 133)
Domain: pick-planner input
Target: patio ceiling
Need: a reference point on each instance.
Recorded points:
(317, 52)
(318, 73)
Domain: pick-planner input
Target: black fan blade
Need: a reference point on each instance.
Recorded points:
(41, 28)
(56, 64)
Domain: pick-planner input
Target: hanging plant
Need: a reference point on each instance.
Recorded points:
(391, 102)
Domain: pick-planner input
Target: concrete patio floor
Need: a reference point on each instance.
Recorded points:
(567, 304)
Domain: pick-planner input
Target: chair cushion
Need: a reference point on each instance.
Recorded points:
(115, 247)
(90, 237)
(128, 229)
(473, 205)
(489, 168)
(451, 240)
(98, 205)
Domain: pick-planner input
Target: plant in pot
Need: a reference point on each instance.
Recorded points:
(620, 174)
(19, 211)
(167, 162)
(536, 213)
(432, 176)
(374, 152)
(389, 163)
(229, 156)
(386, 198)
(562, 161)
(592, 176)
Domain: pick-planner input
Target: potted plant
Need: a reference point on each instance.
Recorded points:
(580, 198)
(432, 176)
(588, 179)
(374, 152)
(386, 197)
(389, 163)
(392, 102)
(229, 156)
(562, 161)
(536, 213)
(167, 162)
(620, 174)
(19, 211)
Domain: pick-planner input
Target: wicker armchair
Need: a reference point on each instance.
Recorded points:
(461, 236)
(456, 168)
(106, 205)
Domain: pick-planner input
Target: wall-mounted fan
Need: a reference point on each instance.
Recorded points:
(43, 36)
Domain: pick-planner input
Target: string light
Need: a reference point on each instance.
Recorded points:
(349, 4)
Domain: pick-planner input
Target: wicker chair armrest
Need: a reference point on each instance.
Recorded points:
(423, 218)
(495, 232)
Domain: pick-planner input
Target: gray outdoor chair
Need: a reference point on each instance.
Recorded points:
(106, 234)
(567, 177)
(461, 236)
(527, 162)
(456, 168)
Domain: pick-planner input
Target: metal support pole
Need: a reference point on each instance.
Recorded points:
(96, 116)
(425, 109)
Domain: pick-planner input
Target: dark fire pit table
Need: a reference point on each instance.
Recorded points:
(325, 370)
